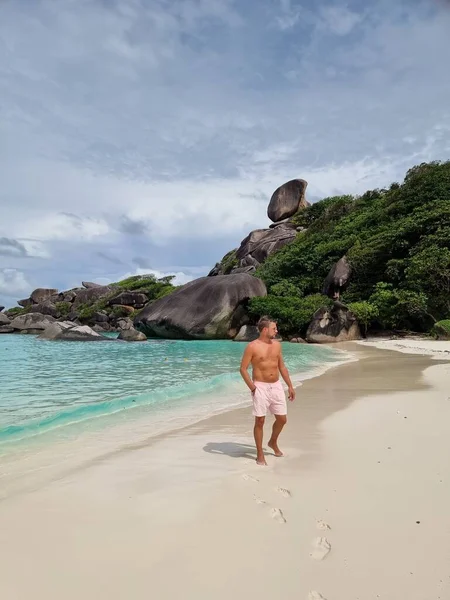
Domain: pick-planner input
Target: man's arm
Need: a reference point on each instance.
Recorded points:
(285, 375)
(245, 363)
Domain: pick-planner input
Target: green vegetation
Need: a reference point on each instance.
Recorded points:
(149, 285)
(16, 311)
(397, 242)
(63, 308)
(441, 330)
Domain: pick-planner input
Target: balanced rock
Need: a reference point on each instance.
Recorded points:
(337, 279)
(287, 200)
(206, 308)
(42, 294)
(4, 320)
(332, 325)
(132, 335)
(31, 322)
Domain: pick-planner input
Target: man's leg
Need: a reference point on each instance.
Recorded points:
(258, 433)
(280, 422)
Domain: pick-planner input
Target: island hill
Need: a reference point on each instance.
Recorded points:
(330, 271)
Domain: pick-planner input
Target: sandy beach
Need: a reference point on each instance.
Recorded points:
(356, 510)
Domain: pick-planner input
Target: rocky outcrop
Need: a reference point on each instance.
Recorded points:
(4, 320)
(68, 331)
(134, 299)
(337, 279)
(91, 295)
(247, 333)
(206, 308)
(31, 322)
(132, 335)
(6, 329)
(332, 325)
(42, 295)
(44, 308)
(25, 302)
(124, 324)
(287, 200)
(256, 247)
(89, 285)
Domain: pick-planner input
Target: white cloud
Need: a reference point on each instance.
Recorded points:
(13, 283)
(339, 19)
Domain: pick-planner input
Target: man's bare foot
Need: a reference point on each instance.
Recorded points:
(261, 461)
(275, 448)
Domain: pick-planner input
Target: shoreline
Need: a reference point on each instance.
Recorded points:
(352, 461)
(177, 414)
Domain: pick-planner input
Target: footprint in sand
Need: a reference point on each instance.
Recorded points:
(315, 596)
(321, 547)
(322, 525)
(284, 492)
(246, 477)
(258, 500)
(277, 515)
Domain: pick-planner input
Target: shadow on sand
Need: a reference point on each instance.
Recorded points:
(232, 449)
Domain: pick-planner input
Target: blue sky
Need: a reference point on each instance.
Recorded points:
(149, 135)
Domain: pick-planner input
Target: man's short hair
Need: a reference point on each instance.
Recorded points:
(264, 322)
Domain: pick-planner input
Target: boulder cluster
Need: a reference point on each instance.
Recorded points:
(60, 315)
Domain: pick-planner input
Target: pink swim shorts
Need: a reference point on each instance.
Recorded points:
(269, 397)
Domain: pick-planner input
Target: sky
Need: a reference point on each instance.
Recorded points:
(145, 136)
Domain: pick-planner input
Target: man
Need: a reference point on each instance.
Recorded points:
(265, 356)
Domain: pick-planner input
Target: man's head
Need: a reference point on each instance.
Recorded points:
(267, 328)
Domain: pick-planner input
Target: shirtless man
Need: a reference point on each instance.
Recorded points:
(265, 356)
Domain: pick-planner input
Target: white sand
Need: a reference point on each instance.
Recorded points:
(190, 515)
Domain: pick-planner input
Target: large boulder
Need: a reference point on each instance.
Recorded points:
(287, 200)
(247, 333)
(91, 295)
(124, 324)
(337, 279)
(68, 331)
(25, 302)
(45, 308)
(206, 308)
(256, 247)
(42, 294)
(4, 320)
(6, 329)
(130, 299)
(332, 325)
(31, 322)
(132, 335)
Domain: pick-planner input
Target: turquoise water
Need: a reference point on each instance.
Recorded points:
(46, 385)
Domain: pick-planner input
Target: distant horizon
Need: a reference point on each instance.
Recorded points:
(148, 137)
